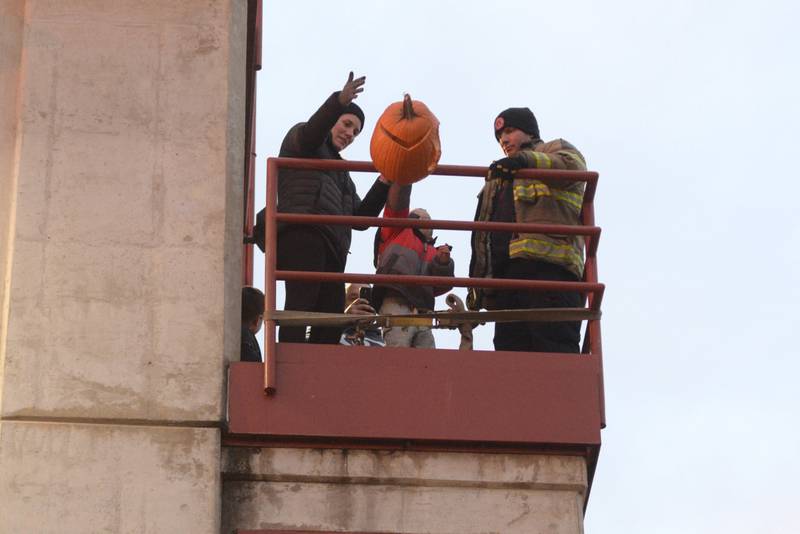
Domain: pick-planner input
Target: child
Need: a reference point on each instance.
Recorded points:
(252, 319)
(409, 251)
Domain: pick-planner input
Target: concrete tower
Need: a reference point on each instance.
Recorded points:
(121, 157)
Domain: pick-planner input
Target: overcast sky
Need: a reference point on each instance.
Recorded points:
(689, 111)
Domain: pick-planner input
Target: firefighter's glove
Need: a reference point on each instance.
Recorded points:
(504, 169)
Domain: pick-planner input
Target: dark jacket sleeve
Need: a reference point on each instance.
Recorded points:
(373, 202)
(310, 135)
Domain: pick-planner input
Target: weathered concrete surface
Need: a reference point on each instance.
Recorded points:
(393, 491)
(11, 26)
(67, 478)
(124, 294)
(121, 157)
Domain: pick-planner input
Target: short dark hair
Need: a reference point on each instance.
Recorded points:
(252, 304)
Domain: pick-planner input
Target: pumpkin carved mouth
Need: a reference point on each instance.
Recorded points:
(408, 145)
(405, 144)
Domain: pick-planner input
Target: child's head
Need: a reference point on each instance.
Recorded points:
(252, 308)
(420, 213)
(352, 291)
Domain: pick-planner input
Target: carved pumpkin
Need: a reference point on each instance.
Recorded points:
(405, 143)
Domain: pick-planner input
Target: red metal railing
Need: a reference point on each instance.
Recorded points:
(590, 287)
(253, 62)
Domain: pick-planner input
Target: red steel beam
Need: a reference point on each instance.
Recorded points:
(400, 222)
(591, 189)
(270, 264)
(421, 280)
(424, 395)
(587, 214)
(594, 301)
(441, 170)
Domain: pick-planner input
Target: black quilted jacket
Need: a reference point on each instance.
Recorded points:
(323, 192)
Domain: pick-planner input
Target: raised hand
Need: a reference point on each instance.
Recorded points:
(351, 89)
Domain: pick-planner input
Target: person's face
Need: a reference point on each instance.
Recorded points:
(352, 293)
(345, 130)
(420, 213)
(511, 139)
(255, 324)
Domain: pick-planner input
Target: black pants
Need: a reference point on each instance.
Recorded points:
(537, 336)
(304, 249)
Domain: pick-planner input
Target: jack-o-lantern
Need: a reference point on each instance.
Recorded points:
(405, 143)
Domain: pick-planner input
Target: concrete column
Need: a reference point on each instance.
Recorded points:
(120, 246)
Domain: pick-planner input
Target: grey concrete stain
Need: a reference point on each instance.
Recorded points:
(333, 489)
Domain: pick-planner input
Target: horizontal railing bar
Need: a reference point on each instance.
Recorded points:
(439, 319)
(394, 222)
(441, 281)
(441, 170)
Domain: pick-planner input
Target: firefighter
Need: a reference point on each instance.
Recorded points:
(506, 198)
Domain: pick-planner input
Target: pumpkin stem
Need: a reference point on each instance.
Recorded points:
(408, 110)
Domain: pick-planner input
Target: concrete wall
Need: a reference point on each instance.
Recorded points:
(402, 491)
(120, 243)
(11, 24)
(108, 478)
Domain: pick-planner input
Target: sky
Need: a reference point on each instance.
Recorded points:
(689, 111)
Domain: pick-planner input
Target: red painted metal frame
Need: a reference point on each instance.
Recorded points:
(423, 396)
(591, 288)
(418, 280)
(253, 64)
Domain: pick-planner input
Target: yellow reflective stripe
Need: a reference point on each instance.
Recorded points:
(573, 199)
(538, 189)
(545, 249)
(543, 161)
(530, 243)
(531, 191)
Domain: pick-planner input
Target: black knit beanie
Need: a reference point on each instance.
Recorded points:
(355, 110)
(521, 118)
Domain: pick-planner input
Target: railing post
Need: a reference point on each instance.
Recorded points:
(270, 265)
(594, 300)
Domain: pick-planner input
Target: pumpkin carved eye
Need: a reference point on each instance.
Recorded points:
(405, 144)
